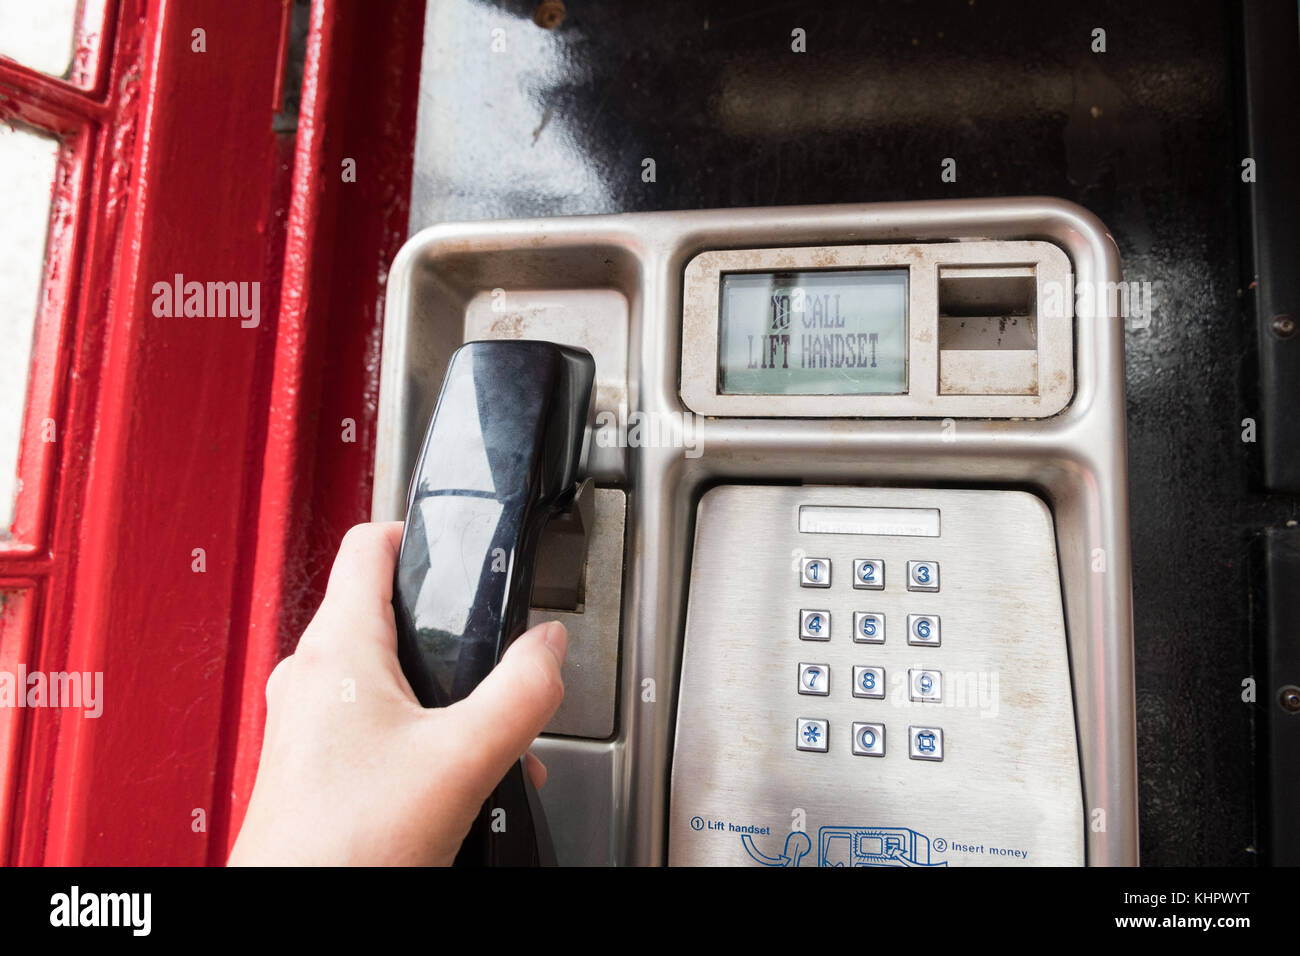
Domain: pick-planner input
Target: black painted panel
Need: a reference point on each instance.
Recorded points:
(1144, 135)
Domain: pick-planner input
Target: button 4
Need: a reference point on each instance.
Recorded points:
(814, 625)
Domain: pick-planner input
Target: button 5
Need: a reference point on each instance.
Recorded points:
(868, 627)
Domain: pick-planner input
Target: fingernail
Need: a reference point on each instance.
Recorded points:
(556, 640)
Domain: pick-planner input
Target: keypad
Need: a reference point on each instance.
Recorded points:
(866, 681)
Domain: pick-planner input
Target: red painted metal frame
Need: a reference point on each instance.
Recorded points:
(360, 93)
(177, 433)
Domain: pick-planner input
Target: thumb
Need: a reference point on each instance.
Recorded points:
(507, 711)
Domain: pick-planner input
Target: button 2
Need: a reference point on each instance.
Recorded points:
(923, 630)
(869, 740)
(869, 574)
(815, 679)
(810, 734)
(815, 572)
(814, 625)
(923, 575)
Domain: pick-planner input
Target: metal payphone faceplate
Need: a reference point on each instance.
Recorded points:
(1000, 783)
(620, 281)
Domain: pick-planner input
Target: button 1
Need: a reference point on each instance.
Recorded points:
(926, 685)
(869, 573)
(868, 627)
(923, 575)
(869, 740)
(815, 679)
(925, 743)
(810, 734)
(923, 630)
(815, 572)
(814, 625)
(869, 682)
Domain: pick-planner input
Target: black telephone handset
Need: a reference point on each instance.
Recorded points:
(501, 457)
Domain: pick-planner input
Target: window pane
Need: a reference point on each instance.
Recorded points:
(38, 33)
(15, 623)
(27, 165)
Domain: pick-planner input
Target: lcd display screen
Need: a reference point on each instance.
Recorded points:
(823, 332)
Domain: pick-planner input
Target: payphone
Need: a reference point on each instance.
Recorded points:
(849, 584)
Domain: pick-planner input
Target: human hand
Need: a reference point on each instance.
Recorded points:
(354, 771)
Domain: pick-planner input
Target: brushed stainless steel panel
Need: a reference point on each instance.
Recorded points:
(1008, 786)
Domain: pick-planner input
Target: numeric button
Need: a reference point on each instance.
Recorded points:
(868, 627)
(869, 574)
(814, 625)
(923, 630)
(869, 682)
(923, 575)
(869, 740)
(815, 572)
(815, 679)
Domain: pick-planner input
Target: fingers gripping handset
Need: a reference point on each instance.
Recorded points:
(502, 455)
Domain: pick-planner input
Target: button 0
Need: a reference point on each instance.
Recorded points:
(810, 734)
(869, 682)
(814, 625)
(869, 573)
(925, 685)
(868, 627)
(815, 572)
(923, 630)
(869, 740)
(923, 575)
(925, 743)
(815, 679)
